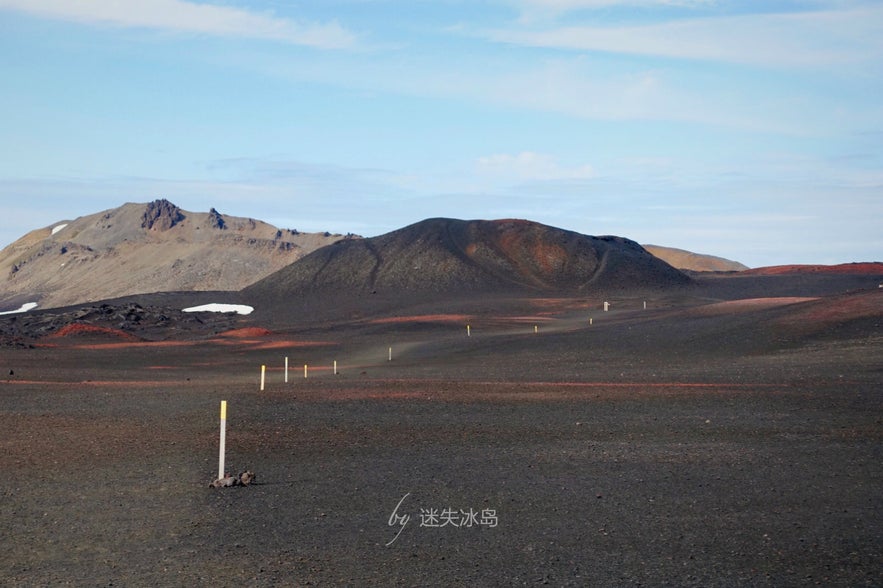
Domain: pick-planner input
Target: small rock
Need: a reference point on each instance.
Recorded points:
(225, 482)
(244, 479)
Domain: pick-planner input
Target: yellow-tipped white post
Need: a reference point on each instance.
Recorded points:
(468, 331)
(263, 376)
(286, 370)
(306, 368)
(536, 329)
(223, 442)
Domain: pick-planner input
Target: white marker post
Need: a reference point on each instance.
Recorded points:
(223, 439)
(305, 371)
(645, 305)
(286, 370)
(606, 306)
(390, 354)
(468, 331)
(263, 376)
(536, 329)
(335, 367)
(590, 321)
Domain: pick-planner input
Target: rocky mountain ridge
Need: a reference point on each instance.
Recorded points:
(142, 248)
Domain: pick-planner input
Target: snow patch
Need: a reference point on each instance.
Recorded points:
(215, 307)
(24, 308)
(58, 228)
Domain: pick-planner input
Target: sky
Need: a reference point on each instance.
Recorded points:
(751, 130)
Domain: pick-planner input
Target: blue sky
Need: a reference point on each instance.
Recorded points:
(749, 130)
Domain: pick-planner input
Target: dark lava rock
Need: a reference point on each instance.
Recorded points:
(216, 220)
(161, 215)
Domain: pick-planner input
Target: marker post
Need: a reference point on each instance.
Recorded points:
(223, 442)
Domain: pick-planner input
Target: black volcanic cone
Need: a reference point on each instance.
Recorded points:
(448, 256)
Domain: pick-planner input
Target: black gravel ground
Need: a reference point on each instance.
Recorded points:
(650, 449)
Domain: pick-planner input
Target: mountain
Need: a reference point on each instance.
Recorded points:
(141, 248)
(697, 262)
(448, 256)
(859, 268)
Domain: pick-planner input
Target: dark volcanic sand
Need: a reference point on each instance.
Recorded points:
(666, 447)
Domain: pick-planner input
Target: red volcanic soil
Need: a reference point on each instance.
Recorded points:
(561, 304)
(835, 310)
(246, 333)
(423, 318)
(125, 344)
(255, 338)
(493, 392)
(288, 344)
(746, 305)
(866, 268)
(85, 330)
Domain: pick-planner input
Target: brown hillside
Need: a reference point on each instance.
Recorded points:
(141, 248)
(697, 262)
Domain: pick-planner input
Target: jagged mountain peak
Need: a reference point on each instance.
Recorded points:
(161, 215)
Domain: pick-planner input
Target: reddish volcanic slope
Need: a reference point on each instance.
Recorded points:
(447, 256)
(87, 330)
(866, 268)
(831, 311)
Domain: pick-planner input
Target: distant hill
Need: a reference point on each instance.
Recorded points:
(860, 268)
(697, 262)
(448, 256)
(141, 248)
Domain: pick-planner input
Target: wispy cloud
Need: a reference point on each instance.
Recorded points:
(580, 89)
(566, 5)
(805, 39)
(181, 16)
(530, 166)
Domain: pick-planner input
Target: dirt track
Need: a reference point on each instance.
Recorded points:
(723, 452)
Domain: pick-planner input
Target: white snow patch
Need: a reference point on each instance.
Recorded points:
(58, 228)
(215, 307)
(24, 308)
